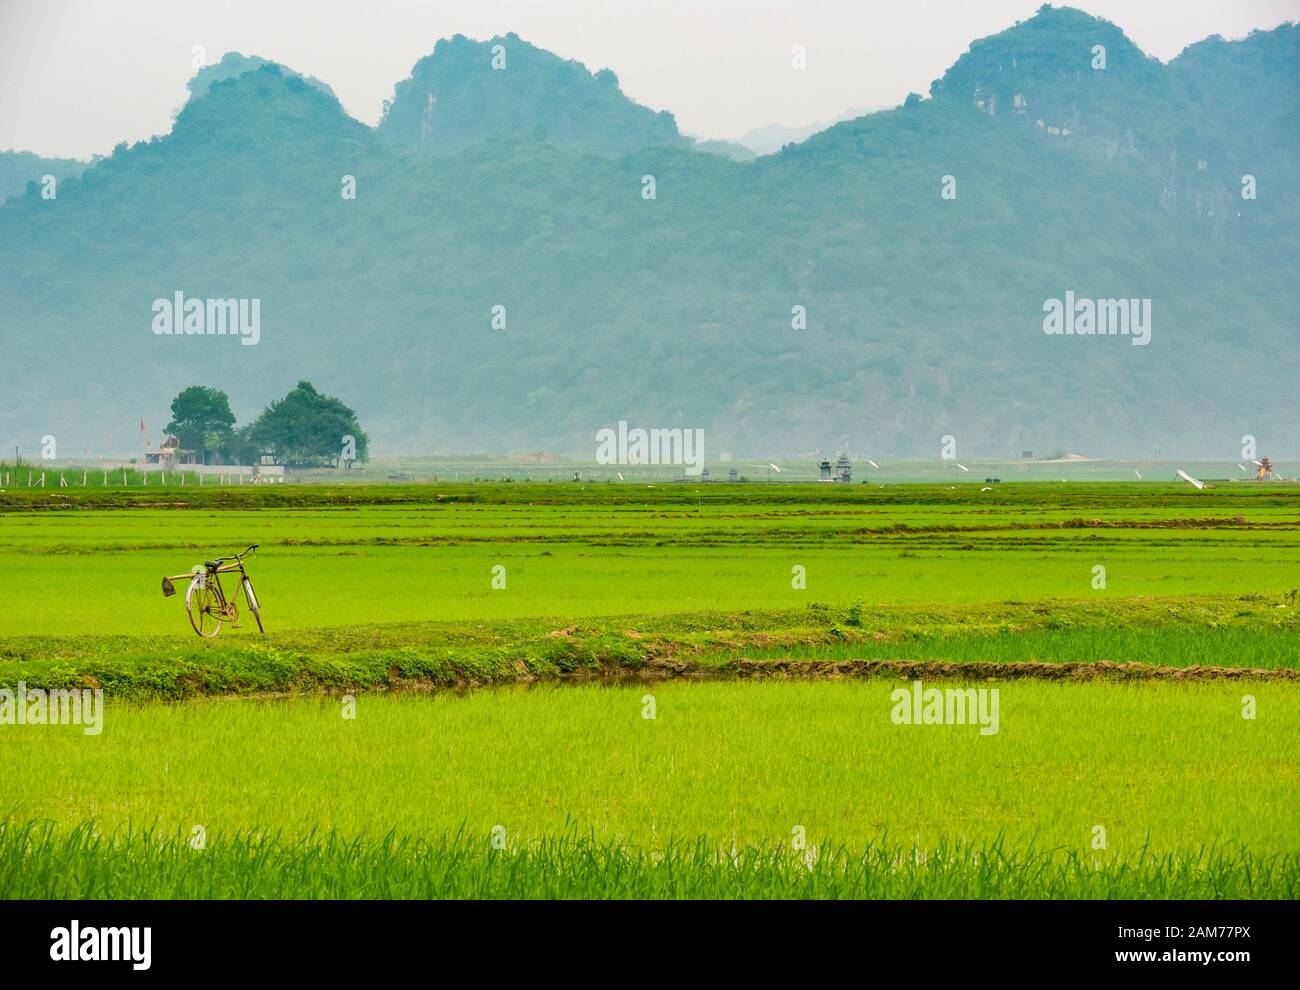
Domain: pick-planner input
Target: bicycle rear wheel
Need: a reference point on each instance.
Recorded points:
(204, 607)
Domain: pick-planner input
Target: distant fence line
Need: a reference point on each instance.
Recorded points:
(227, 469)
(126, 475)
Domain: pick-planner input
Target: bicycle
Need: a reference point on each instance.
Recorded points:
(206, 600)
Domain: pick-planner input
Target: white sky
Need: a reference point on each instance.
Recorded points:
(79, 76)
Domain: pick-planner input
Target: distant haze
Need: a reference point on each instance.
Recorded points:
(773, 137)
(79, 76)
(1037, 256)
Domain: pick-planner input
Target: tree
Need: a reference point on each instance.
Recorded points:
(201, 419)
(308, 427)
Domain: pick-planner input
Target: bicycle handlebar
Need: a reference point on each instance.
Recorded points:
(213, 566)
(238, 556)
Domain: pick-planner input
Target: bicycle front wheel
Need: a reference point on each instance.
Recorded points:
(204, 608)
(252, 604)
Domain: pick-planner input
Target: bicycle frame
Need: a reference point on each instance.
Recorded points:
(207, 573)
(212, 579)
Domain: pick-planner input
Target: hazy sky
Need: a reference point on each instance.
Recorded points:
(79, 76)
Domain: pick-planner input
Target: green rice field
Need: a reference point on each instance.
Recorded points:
(498, 643)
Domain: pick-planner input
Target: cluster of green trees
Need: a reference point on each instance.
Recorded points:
(305, 428)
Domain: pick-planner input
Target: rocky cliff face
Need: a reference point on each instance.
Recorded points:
(469, 91)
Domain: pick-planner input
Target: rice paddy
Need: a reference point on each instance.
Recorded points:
(788, 785)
